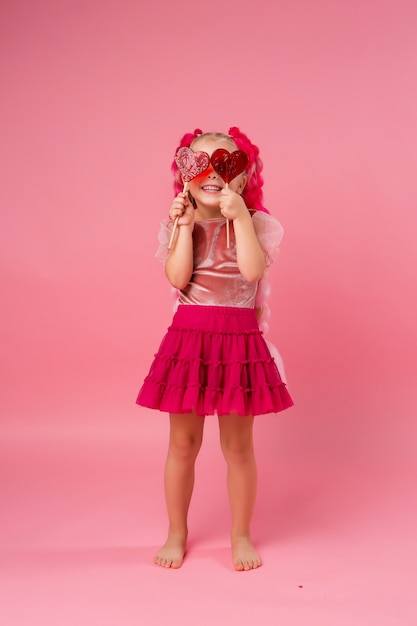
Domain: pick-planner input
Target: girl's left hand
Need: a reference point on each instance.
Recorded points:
(232, 205)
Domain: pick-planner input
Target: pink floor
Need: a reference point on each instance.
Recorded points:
(81, 520)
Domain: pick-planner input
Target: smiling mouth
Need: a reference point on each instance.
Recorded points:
(211, 188)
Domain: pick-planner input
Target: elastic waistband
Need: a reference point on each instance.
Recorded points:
(225, 310)
(221, 319)
(194, 309)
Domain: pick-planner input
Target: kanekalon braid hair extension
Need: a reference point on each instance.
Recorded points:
(252, 194)
(186, 141)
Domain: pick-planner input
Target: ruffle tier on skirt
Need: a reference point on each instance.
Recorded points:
(214, 360)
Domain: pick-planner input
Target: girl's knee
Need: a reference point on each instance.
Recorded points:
(238, 450)
(186, 435)
(185, 445)
(236, 438)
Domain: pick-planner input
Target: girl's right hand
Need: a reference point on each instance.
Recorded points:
(183, 209)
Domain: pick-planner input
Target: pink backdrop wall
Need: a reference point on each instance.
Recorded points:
(94, 99)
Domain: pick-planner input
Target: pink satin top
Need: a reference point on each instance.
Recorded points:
(216, 279)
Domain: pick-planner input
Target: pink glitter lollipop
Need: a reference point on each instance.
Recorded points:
(228, 165)
(190, 165)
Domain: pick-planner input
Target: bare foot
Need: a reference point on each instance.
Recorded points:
(245, 557)
(172, 552)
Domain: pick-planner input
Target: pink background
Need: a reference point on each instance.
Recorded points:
(95, 96)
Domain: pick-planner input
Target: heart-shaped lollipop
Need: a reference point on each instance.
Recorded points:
(228, 165)
(190, 165)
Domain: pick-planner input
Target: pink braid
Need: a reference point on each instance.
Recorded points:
(252, 193)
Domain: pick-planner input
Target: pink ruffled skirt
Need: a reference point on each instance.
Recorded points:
(214, 360)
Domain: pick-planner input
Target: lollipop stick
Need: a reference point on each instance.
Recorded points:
(174, 228)
(227, 227)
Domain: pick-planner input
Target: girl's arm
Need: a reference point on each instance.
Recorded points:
(179, 264)
(250, 255)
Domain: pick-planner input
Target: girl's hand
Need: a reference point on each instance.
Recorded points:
(232, 204)
(183, 209)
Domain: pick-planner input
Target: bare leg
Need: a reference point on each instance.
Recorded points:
(237, 445)
(186, 434)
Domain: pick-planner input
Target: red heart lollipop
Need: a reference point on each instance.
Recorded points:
(190, 163)
(228, 165)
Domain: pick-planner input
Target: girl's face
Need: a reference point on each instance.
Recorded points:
(206, 188)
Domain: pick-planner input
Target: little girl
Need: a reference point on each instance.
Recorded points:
(213, 359)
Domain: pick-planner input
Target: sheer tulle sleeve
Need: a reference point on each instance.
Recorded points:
(269, 232)
(164, 235)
